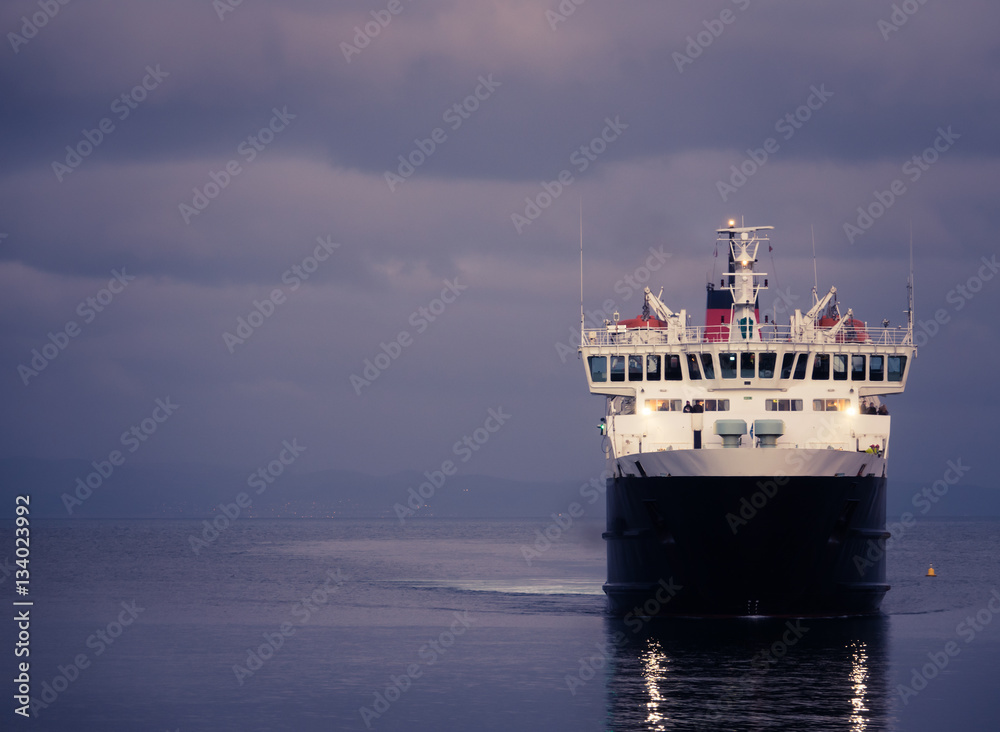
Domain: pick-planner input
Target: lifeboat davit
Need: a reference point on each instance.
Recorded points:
(853, 330)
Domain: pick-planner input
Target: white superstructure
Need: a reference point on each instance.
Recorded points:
(764, 399)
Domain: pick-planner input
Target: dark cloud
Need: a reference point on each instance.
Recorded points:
(657, 184)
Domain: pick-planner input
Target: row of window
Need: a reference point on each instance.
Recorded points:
(748, 365)
(770, 405)
(674, 405)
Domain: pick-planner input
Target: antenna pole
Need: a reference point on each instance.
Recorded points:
(909, 289)
(582, 321)
(815, 275)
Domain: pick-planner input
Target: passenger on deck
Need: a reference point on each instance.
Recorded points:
(687, 407)
(882, 409)
(698, 407)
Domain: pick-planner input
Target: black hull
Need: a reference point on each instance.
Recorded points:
(733, 546)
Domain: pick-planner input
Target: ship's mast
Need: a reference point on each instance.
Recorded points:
(743, 282)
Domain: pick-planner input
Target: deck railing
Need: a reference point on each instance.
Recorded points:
(616, 335)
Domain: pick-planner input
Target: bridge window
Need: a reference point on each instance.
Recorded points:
(800, 366)
(831, 405)
(618, 368)
(767, 361)
(786, 365)
(598, 368)
(693, 372)
(652, 368)
(727, 365)
(897, 365)
(876, 368)
(635, 368)
(821, 366)
(783, 405)
(708, 365)
(748, 365)
(857, 368)
(840, 367)
(672, 367)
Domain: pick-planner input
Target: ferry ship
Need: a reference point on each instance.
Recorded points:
(747, 459)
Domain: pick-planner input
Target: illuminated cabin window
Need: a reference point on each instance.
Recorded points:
(857, 368)
(618, 368)
(672, 367)
(708, 365)
(896, 366)
(876, 368)
(783, 405)
(821, 366)
(598, 368)
(840, 367)
(767, 361)
(727, 365)
(748, 365)
(800, 366)
(652, 368)
(635, 368)
(693, 372)
(831, 405)
(664, 405)
(786, 365)
(676, 405)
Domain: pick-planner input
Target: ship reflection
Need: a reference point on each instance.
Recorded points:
(753, 674)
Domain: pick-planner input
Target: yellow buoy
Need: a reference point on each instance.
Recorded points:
(931, 572)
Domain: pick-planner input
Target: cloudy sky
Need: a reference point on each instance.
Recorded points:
(344, 165)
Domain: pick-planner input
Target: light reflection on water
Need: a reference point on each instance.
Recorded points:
(745, 674)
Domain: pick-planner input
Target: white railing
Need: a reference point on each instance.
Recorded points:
(612, 335)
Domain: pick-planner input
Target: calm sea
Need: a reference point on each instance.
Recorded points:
(443, 625)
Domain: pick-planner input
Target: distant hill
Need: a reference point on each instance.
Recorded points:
(196, 491)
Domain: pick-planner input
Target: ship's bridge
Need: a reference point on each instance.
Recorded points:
(692, 392)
